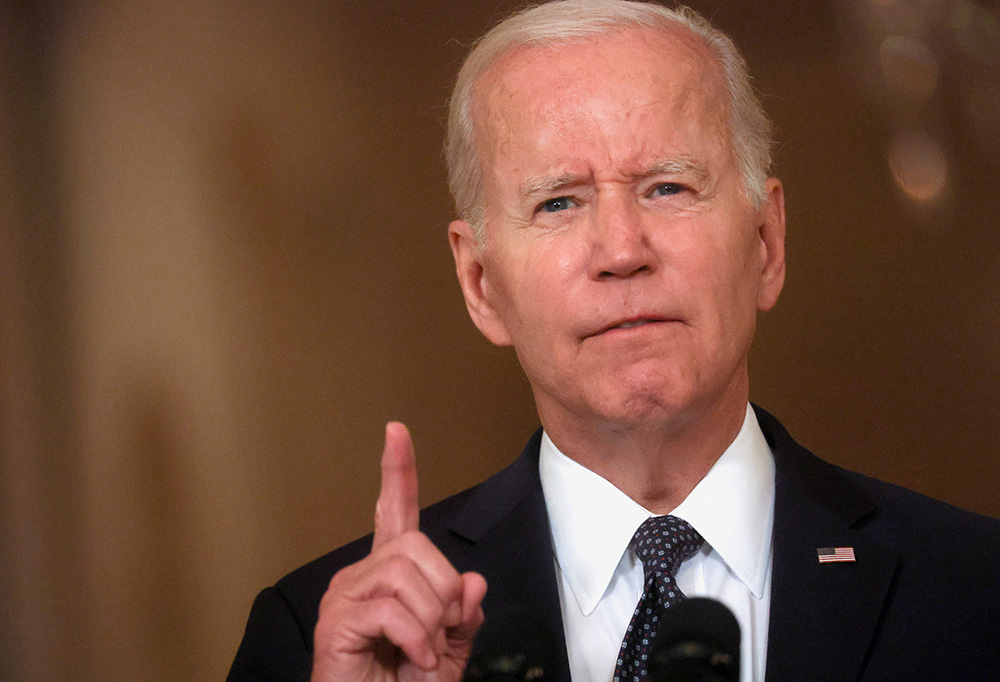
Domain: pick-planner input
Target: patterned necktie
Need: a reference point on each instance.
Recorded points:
(661, 543)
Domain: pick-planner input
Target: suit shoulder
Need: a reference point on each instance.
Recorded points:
(917, 515)
(908, 522)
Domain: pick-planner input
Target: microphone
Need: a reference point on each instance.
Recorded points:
(698, 641)
(512, 648)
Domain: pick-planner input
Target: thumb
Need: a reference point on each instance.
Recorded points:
(461, 636)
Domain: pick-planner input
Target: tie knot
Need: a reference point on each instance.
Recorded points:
(663, 542)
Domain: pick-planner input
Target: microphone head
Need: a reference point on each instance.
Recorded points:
(698, 641)
(512, 648)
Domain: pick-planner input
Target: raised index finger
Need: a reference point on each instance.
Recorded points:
(397, 510)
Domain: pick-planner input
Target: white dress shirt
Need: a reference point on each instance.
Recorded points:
(600, 580)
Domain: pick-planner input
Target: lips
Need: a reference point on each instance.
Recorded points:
(629, 323)
(632, 323)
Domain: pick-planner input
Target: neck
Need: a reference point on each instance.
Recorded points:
(655, 463)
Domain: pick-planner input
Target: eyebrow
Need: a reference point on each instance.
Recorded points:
(548, 184)
(676, 166)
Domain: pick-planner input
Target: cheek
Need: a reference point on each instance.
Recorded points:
(513, 294)
(533, 278)
(740, 286)
(725, 276)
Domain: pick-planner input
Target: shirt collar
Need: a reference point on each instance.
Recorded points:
(593, 522)
(733, 506)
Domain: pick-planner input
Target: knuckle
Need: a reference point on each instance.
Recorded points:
(384, 610)
(396, 568)
(412, 540)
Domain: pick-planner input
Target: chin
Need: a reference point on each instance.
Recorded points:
(638, 406)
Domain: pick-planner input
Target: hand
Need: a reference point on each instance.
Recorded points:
(403, 613)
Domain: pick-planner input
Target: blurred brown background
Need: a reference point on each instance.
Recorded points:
(224, 267)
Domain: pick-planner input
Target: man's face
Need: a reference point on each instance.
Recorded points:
(622, 259)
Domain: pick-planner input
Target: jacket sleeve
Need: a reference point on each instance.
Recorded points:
(274, 647)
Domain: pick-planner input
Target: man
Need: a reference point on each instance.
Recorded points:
(618, 229)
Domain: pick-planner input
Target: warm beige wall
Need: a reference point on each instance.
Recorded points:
(224, 268)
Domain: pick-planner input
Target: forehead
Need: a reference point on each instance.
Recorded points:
(629, 93)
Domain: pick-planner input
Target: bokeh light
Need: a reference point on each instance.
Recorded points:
(918, 165)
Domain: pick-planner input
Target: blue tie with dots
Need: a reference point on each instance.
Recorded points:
(661, 543)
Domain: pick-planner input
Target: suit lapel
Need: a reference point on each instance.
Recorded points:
(506, 523)
(823, 615)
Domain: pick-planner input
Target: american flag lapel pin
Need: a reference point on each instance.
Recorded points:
(829, 555)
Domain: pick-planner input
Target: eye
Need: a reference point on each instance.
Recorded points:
(555, 205)
(666, 189)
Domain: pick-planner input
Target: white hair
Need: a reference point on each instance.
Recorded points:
(566, 21)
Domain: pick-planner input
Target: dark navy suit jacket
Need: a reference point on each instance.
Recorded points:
(921, 601)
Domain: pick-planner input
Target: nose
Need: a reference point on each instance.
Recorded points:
(619, 242)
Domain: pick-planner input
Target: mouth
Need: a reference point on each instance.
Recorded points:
(631, 323)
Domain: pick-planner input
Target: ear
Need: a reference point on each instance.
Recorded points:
(771, 231)
(475, 282)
